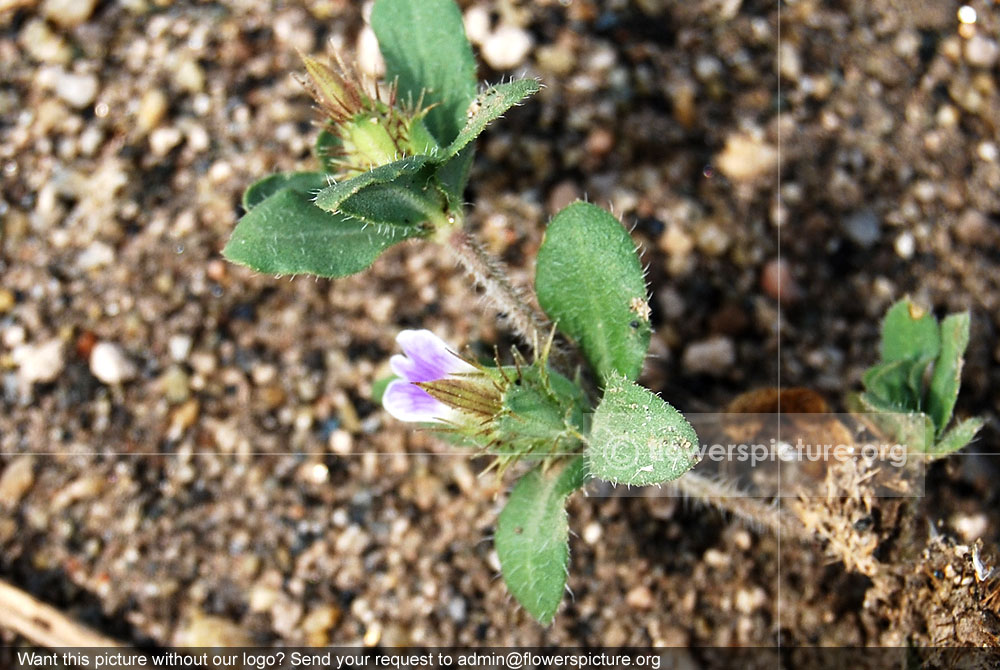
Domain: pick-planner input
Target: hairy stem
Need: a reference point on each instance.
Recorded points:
(530, 324)
(751, 510)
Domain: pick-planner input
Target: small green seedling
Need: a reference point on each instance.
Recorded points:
(394, 161)
(912, 392)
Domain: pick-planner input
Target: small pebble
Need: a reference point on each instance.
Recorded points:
(110, 364)
(68, 13)
(981, 51)
(39, 362)
(43, 45)
(592, 533)
(749, 600)
(905, 245)
(457, 609)
(77, 90)
(180, 347)
(152, 109)
(862, 228)
(777, 281)
(746, 157)
(640, 598)
(162, 140)
(175, 385)
(477, 23)
(561, 195)
(714, 356)
(506, 47)
(7, 301)
(16, 480)
(96, 255)
(370, 59)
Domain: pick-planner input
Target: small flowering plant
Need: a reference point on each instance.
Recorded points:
(395, 160)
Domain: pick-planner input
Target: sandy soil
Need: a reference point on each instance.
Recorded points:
(222, 474)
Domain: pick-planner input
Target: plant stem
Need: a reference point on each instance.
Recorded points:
(487, 271)
(724, 497)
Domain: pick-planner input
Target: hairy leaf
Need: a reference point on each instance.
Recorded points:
(308, 183)
(958, 437)
(947, 377)
(427, 54)
(532, 538)
(909, 331)
(488, 106)
(589, 281)
(636, 438)
(287, 234)
(331, 197)
(913, 429)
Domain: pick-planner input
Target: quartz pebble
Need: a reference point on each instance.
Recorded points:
(68, 13)
(43, 44)
(39, 362)
(110, 364)
(15, 480)
(77, 90)
(714, 356)
(981, 51)
(506, 47)
(745, 157)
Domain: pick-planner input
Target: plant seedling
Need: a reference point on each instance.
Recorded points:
(913, 390)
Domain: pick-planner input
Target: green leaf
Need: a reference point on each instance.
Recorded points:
(589, 281)
(410, 200)
(489, 106)
(958, 437)
(287, 234)
(426, 52)
(532, 538)
(890, 382)
(303, 182)
(331, 197)
(947, 376)
(913, 429)
(909, 331)
(638, 439)
(453, 175)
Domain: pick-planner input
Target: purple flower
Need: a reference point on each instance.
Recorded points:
(426, 358)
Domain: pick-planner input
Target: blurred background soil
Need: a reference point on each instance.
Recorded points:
(190, 453)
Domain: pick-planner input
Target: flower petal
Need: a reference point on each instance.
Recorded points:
(427, 357)
(408, 402)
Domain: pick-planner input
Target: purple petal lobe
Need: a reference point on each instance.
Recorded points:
(407, 402)
(427, 357)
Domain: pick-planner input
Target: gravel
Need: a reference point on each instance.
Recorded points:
(207, 490)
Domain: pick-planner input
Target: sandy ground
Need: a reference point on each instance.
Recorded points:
(219, 472)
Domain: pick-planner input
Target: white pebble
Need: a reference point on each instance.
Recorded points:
(180, 347)
(370, 59)
(96, 255)
(39, 362)
(714, 356)
(906, 244)
(981, 51)
(17, 478)
(746, 157)
(477, 23)
(988, 152)
(162, 140)
(506, 47)
(592, 533)
(110, 364)
(68, 13)
(79, 90)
